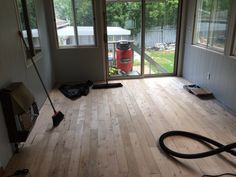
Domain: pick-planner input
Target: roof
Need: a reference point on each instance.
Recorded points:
(61, 23)
(88, 31)
(83, 31)
(117, 31)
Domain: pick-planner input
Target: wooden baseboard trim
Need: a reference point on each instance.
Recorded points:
(1, 171)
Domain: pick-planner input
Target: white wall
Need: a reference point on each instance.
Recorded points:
(77, 64)
(13, 67)
(222, 67)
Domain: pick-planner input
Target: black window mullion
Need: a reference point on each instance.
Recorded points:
(28, 28)
(75, 22)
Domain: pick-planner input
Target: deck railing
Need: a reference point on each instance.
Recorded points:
(149, 59)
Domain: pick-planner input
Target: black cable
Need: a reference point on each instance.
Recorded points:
(224, 174)
(202, 139)
(21, 173)
(221, 148)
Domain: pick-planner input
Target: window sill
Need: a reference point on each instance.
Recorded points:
(220, 52)
(232, 57)
(36, 58)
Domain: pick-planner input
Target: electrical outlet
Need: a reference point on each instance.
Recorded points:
(208, 76)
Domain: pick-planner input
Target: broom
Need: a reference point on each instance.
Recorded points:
(58, 115)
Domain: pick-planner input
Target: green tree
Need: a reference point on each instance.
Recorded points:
(157, 13)
(63, 10)
(119, 12)
(31, 14)
(84, 12)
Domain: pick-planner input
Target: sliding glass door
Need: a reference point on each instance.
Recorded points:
(123, 28)
(141, 37)
(160, 36)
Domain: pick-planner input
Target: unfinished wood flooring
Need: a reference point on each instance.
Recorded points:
(114, 133)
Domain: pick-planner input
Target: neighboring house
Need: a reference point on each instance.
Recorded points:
(66, 35)
(85, 33)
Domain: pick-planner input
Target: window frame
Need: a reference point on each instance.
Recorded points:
(233, 50)
(77, 45)
(31, 49)
(207, 46)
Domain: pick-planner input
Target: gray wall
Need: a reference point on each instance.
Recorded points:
(77, 64)
(13, 66)
(198, 62)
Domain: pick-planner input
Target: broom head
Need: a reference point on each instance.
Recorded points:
(57, 118)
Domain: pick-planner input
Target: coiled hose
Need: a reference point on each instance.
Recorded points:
(221, 148)
(202, 139)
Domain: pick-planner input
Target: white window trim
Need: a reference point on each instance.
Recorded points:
(233, 52)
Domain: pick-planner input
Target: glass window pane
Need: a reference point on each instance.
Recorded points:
(124, 37)
(202, 21)
(32, 22)
(64, 23)
(33, 25)
(218, 24)
(160, 36)
(211, 23)
(234, 49)
(22, 21)
(85, 22)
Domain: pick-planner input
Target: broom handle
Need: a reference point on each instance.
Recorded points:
(37, 71)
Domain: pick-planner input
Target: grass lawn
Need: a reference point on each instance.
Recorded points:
(164, 58)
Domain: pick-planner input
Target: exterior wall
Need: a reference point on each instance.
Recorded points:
(77, 64)
(198, 62)
(13, 66)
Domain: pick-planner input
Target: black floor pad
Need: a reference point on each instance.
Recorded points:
(107, 85)
(75, 91)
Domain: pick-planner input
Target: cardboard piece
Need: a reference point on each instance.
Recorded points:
(198, 91)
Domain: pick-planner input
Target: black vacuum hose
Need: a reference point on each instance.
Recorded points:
(221, 148)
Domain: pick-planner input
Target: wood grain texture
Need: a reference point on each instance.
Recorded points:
(114, 132)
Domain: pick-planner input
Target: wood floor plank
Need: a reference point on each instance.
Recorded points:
(75, 153)
(142, 165)
(144, 134)
(45, 163)
(119, 146)
(114, 132)
(93, 168)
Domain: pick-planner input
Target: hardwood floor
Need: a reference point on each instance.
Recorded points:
(114, 133)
